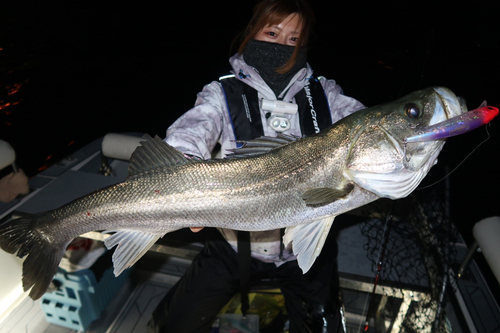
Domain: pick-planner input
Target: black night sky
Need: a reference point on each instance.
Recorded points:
(72, 71)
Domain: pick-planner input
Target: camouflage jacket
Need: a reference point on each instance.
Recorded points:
(198, 131)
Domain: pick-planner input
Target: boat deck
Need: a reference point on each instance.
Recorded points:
(131, 308)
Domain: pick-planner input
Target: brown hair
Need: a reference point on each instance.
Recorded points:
(271, 12)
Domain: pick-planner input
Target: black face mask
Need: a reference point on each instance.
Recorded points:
(268, 57)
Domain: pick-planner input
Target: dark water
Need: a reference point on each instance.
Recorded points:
(72, 71)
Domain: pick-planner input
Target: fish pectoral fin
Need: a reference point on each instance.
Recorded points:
(308, 240)
(324, 196)
(260, 145)
(132, 245)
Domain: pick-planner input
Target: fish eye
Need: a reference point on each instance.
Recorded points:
(412, 110)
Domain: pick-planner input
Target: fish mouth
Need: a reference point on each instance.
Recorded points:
(448, 105)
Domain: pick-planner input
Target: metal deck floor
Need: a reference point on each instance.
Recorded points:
(128, 312)
(131, 308)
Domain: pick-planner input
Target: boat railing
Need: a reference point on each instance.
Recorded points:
(7, 155)
(120, 146)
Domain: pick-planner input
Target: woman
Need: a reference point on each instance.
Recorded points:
(270, 65)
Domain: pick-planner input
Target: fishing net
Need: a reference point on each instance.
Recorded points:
(413, 240)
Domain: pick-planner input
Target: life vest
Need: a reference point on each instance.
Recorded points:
(243, 107)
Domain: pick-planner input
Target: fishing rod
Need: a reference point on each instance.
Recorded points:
(388, 223)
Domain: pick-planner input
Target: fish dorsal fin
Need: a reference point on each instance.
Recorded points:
(260, 145)
(154, 153)
(308, 240)
(132, 245)
(324, 196)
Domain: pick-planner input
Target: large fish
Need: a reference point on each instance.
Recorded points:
(300, 185)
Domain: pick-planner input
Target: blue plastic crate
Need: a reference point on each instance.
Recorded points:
(80, 299)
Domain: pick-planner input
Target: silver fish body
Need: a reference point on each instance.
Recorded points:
(301, 186)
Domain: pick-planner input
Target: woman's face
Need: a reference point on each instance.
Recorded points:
(287, 32)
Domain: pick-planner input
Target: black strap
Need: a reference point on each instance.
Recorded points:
(243, 105)
(244, 262)
(7, 171)
(315, 115)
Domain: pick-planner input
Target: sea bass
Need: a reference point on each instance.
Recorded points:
(300, 185)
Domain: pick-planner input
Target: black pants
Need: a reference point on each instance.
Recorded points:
(311, 299)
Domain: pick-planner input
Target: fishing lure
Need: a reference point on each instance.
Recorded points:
(460, 124)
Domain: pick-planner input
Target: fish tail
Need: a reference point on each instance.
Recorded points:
(43, 255)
